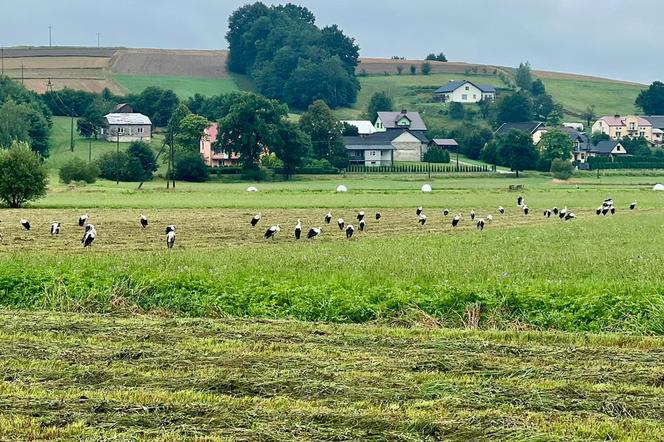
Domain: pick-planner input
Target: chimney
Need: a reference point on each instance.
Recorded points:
(404, 111)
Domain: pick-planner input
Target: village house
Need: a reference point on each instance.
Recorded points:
(445, 143)
(212, 158)
(631, 126)
(126, 127)
(657, 122)
(364, 127)
(464, 92)
(534, 128)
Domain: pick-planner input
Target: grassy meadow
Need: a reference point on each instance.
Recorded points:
(183, 87)
(92, 377)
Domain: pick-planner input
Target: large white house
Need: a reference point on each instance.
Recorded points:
(126, 127)
(465, 92)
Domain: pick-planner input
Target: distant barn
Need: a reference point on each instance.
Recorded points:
(126, 127)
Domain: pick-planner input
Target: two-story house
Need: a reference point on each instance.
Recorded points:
(464, 92)
(617, 127)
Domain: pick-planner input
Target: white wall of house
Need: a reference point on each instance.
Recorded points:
(377, 158)
(127, 133)
(468, 93)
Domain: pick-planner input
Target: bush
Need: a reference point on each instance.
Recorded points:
(456, 111)
(22, 175)
(78, 170)
(426, 68)
(189, 166)
(120, 166)
(437, 154)
(561, 169)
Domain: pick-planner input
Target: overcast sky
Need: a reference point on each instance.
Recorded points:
(613, 38)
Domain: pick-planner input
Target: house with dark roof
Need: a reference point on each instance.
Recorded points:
(534, 128)
(464, 91)
(608, 148)
(371, 150)
(657, 122)
(445, 143)
(406, 133)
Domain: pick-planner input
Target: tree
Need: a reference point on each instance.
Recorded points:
(121, 166)
(379, 102)
(555, 144)
(23, 177)
(436, 57)
(471, 139)
(456, 111)
(292, 147)
(325, 134)
(516, 151)
(485, 107)
(436, 154)
(562, 169)
(146, 158)
(431, 57)
(349, 130)
(325, 80)
(250, 128)
(651, 100)
(514, 108)
(413, 69)
(13, 124)
(190, 131)
(189, 166)
(399, 69)
(524, 77)
(85, 128)
(636, 146)
(426, 68)
(78, 170)
(537, 88)
(596, 137)
(543, 106)
(589, 115)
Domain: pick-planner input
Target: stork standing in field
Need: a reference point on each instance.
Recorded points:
(144, 221)
(418, 211)
(422, 219)
(55, 229)
(313, 232)
(89, 236)
(632, 206)
(360, 216)
(170, 239)
(272, 232)
(446, 212)
(472, 215)
(26, 224)
(298, 229)
(83, 219)
(501, 210)
(378, 216)
(555, 211)
(363, 225)
(562, 213)
(547, 213)
(613, 210)
(519, 201)
(570, 216)
(341, 223)
(328, 218)
(480, 224)
(525, 210)
(255, 219)
(489, 218)
(455, 220)
(598, 211)
(349, 231)
(605, 210)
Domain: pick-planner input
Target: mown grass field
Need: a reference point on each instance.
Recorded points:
(93, 377)
(609, 98)
(184, 87)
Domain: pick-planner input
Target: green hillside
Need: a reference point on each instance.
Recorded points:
(608, 97)
(183, 86)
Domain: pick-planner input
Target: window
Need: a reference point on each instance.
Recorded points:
(464, 97)
(139, 130)
(120, 130)
(632, 126)
(618, 134)
(642, 134)
(467, 88)
(474, 96)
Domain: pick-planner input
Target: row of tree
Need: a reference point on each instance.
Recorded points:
(291, 59)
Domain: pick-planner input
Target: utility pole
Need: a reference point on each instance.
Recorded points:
(457, 158)
(49, 35)
(98, 40)
(172, 161)
(2, 51)
(22, 78)
(117, 158)
(71, 135)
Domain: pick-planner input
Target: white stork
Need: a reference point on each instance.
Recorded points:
(613, 210)
(83, 219)
(363, 224)
(170, 239)
(255, 219)
(472, 215)
(489, 218)
(455, 220)
(598, 211)
(519, 201)
(26, 224)
(562, 213)
(349, 231)
(446, 212)
(501, 210)
(272, 231)
(89, 236)
(298, 229)
(525, 210)
(341, 223)
(418, 211)
(378, 216)
(480, 224)
(55, 228)
(555, 210)
(360, 216)
(313, 232)
(547, 213)
(422, 219)
(144, 221)
(570, 216)
(632, 206)
(328, 218)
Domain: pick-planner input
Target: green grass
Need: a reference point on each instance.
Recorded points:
(609, 98)
(91, 377)
(183, 86)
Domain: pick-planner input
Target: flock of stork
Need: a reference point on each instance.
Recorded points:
(90, 233)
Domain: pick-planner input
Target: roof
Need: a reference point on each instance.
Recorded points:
(369, 147)
(124, 108)
(212, 132)
(620, 121)
(657, 121)
(389, 120)
(445, 142)
(120, 119)
(605, 147)
(364, 127)
(456, 84)
(382, 138)
(527, 126)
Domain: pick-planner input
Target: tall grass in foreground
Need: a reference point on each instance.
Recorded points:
(601, 274)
